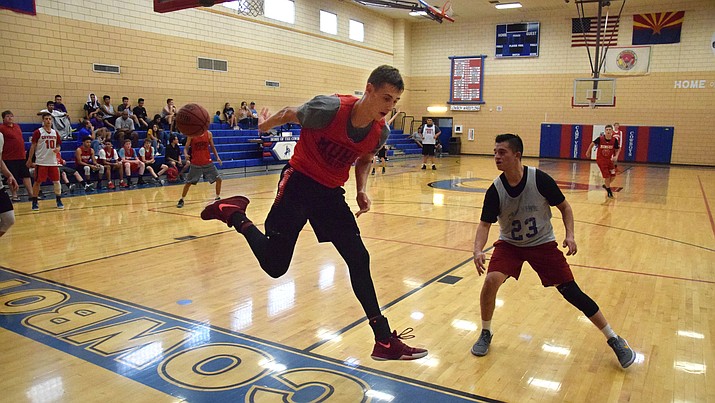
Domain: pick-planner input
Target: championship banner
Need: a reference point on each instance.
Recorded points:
(20, 6)
(627, 61)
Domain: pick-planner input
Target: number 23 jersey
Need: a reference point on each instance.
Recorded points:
(523, 211)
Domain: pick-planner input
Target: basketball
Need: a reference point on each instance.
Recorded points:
(192, 120)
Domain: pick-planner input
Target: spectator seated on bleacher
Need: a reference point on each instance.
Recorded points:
(126, 106)
(244, 116)
(146, 156)
(60, 121)
(66, 171)
(109, 158)
(140, 112)
(173, 158)
(152, 135)
(230, 115)
(125, 129)
(131, 162)
(85, 160)
(92, 111)
(168, 113)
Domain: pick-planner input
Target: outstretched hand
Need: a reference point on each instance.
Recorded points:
(262, 117)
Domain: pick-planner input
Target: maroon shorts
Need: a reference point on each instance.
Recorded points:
(43, 172)
(608, 169)
(546, 259)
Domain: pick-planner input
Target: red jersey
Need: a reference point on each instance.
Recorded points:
(60, 161)
(326, 155)
(85, 156)
(606, 149)
(14, 148)
(200, 154)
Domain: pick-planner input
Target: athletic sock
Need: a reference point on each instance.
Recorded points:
(487, 325)
(608, 332)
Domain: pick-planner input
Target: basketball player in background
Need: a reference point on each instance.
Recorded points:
(618, 134)
(201, 165)
(429, 137)
(606, 157)
(336, 131)
(7, 212)
(521, 199)
(44, 141)
(381, 156)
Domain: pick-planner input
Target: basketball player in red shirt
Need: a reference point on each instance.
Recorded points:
(618, 134)
(201, 165)
(44, 141)
(606, 156)
(336, 131)
(7, 212)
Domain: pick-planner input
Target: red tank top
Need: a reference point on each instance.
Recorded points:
(326, 155)
(86, 156)
(606, 149)
(200, 154)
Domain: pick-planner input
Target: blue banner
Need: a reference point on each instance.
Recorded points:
(20, 6)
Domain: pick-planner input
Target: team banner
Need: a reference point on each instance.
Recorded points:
(20, 6)
(627, 61)
(657, 28)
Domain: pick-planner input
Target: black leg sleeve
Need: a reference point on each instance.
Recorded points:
(352, 249)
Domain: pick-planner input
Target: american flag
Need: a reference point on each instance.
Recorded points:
(583, 31)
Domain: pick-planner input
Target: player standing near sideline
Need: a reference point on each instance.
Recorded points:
(521, 199)
(430, 137)
(336, 131)
(7, 212)
(44, 141)
(606, 157)
(618, 134)
(201, 165)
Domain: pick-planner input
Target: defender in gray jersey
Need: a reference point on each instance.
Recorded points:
(521, 199)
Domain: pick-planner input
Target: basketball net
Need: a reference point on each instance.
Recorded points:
(592, 102)
(447, 9)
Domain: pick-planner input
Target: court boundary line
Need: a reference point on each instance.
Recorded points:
(259, 340)
(707, 205)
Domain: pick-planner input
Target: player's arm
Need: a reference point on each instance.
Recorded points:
(362, 170)
(480, 240)
(617, 146)
(32, 152)
(213, 148)
(186, 149)
(567, 216)
(590, 147)
(8, 175)
(266, 121)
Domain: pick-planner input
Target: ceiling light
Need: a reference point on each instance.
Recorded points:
(502, 6)
(437, 109)
(418, 13)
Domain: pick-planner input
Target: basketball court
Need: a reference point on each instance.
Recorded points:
(124, 296)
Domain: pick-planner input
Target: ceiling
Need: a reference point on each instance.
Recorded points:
(474, 10)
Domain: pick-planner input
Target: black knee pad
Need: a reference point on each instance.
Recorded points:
(573, 294)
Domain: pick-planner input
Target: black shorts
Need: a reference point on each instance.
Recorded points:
(18, 169)
(428, 149)
(301, 199)
(69, 171)
(5, 203)
(382, 153)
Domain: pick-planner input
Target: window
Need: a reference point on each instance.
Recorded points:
(328, 22)
(281, 10)
(357, 31)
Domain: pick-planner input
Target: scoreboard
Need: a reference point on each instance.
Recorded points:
(518, 40)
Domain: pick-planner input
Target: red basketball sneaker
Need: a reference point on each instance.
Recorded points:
(225, 208)
(395, 349)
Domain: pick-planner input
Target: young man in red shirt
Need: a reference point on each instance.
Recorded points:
(336, 131)
(606, 157)
(13, 154)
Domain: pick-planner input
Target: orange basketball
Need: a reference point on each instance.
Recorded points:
(192, 120)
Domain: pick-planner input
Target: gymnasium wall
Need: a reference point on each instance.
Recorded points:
(53, 53)
(535, 90)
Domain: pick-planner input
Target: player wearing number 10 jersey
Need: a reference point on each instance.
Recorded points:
(520, 199)
(44, 141)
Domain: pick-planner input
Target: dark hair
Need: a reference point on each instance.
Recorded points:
(513, 140)
(123, 98)
(58, 95)
(169, 100)
(218, 112)
(140, 100)
(157, 117)
(43, 114)
(127, 140)
(386, 75)
(5, 113)
(607, 126)
(146, 140)
(51, 102)
(106, 97)
(85, 138)
(172, 137)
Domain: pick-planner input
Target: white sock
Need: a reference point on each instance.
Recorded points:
(608, 332)
(487, 325)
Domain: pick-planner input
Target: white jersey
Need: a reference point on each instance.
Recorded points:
(429, 134)
(524, 220)
(45, 144)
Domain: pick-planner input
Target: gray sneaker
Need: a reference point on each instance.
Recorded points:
(180, 204)
(481, 347)
(623, 351)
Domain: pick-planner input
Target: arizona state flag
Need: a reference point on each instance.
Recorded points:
(20, 6)
(657, 28)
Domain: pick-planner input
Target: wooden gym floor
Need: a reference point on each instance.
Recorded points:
(124, 297)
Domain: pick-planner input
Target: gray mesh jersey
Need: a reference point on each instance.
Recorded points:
(524, 220)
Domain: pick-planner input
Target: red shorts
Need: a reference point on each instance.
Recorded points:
(546, 259)
(44, 172)
(133, 165)
(608, 169)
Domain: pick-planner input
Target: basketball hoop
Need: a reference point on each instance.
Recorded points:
(592, 102)
(252, 8)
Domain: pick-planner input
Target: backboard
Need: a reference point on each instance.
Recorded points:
(594, 92)
(165, 6)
